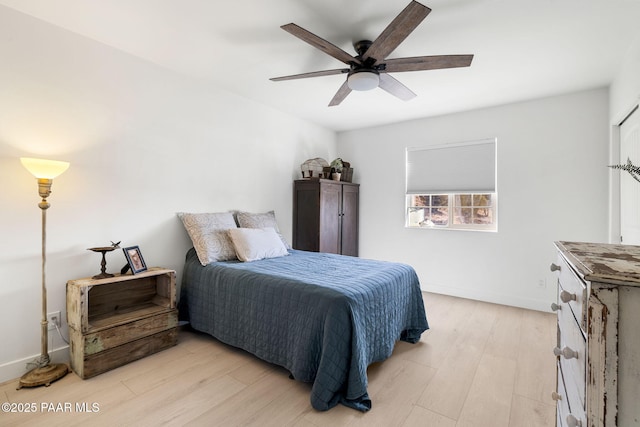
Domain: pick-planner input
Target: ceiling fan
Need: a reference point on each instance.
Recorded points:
(369, 68)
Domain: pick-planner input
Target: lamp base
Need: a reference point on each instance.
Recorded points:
(44, 375)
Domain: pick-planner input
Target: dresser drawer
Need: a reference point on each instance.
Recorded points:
(569, 410)
(562, 400)
(571, 353)
(577, 416)
(573, 292)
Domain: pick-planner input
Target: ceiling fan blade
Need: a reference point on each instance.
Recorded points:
(311, 74)
(397, 31)
(340, 95)
(320, 43)
(420, 63)
(395, 88)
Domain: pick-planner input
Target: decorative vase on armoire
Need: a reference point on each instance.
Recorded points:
(325, 216)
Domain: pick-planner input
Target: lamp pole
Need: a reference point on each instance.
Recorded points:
(44, 205)
(45, 372)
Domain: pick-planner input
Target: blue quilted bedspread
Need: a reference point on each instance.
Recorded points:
(323, 317)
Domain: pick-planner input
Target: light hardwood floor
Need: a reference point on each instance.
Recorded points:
(480, 364)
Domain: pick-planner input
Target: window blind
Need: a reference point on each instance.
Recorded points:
(468, 167)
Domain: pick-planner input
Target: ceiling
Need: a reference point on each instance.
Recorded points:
(523, 49)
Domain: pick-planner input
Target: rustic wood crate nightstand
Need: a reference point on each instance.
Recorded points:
(120, 319)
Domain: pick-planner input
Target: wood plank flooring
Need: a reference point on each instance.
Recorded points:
(480, 364)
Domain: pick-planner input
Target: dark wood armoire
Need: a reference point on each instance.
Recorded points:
(325, 216)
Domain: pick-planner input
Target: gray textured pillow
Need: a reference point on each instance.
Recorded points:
(208, 233)
(260, 220)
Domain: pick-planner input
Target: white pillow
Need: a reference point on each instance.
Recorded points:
(208, 233)
(253, 244)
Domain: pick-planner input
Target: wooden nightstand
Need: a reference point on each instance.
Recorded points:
(120, 319)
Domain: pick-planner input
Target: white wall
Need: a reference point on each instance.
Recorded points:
(143, 144)
(552, 185)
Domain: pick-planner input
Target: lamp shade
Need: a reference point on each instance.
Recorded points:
(363, 80)
(41, 168)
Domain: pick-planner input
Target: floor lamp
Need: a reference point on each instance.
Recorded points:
(45, 372)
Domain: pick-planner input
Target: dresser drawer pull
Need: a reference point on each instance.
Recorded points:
(555, 307)
(566, 352)
(554, 267)
(567, 296)
(573, 421)
(555, 396)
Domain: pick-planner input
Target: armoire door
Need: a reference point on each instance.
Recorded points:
(349, 220)
(330, 217)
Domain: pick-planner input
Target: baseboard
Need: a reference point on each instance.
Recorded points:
(15, 369)
(491, 297)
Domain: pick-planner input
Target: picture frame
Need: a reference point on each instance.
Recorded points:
(135, 259)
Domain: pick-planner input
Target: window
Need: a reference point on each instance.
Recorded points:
(452, 186)
(459, 211)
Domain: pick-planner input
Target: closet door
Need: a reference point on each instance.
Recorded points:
(629, 187)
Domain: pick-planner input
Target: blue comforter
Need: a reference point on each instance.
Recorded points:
(323, 317)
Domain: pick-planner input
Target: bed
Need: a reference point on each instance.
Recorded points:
(323, 317)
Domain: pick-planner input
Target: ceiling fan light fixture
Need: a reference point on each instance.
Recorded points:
(363, 80)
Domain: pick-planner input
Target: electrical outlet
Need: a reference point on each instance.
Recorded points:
(54, 319)
(542, 284)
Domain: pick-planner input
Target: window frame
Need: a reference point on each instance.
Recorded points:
(454, 159)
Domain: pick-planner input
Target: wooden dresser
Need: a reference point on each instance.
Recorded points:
(325, 216)
(598, 348)
(120, 319)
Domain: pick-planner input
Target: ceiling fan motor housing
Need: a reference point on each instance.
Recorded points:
(362, 46)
